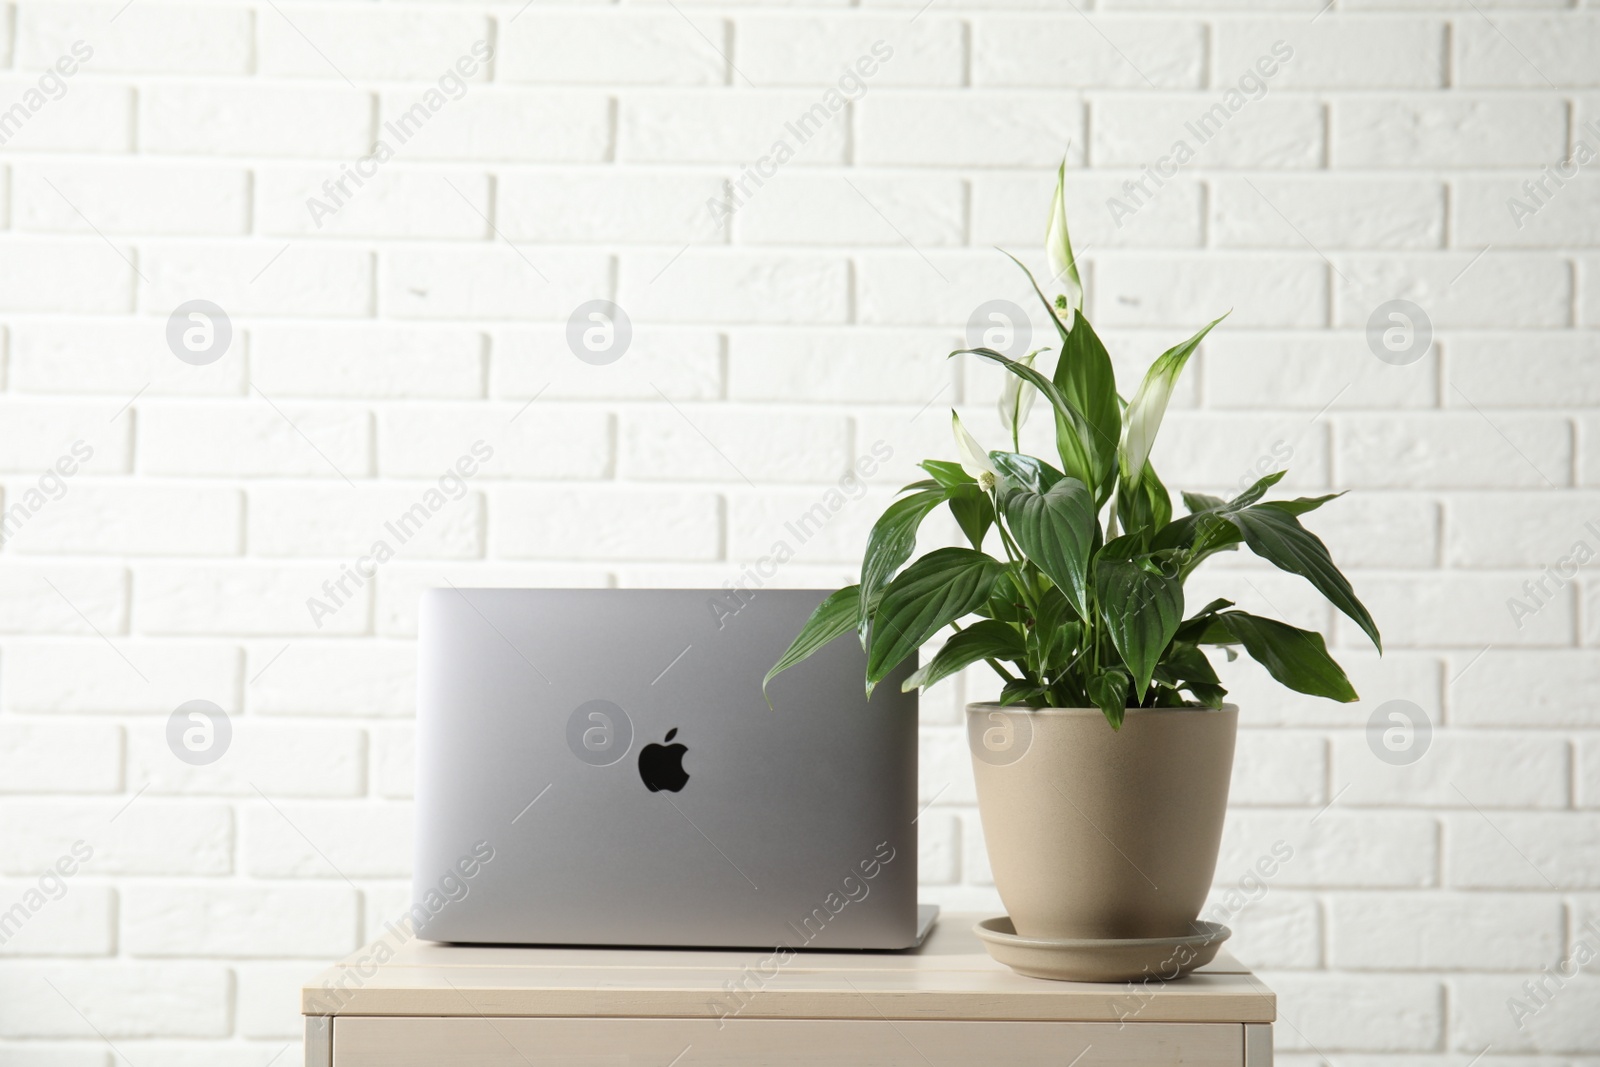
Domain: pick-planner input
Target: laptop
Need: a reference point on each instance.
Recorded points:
(599, 767)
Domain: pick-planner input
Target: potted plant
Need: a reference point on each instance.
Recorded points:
(1103, 769)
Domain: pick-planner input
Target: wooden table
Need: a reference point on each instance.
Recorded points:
(406, 1003)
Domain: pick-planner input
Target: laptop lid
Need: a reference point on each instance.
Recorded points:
(598, 766)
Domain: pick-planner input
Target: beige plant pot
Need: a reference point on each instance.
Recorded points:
(1095, 833)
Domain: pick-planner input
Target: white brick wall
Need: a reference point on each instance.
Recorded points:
(591, 158)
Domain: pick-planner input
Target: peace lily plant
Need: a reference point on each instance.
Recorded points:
(1103, 842)
(1084, 605)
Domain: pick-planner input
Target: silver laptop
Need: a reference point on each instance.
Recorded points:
(600, 767)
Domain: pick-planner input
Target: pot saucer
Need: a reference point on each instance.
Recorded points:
(1101, 959)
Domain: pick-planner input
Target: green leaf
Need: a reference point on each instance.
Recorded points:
(1141, 610)
(1297, 658)
(1145, 506)
(947, 474)
(1202, 502)
(833, 618)
(1056, 531)
(1109, 691)
(935, 591)
(1196, 625)
(1049, 308)
(1087, 382)
(973, 511)
(1278, 538)
(891, 542)
(1022, 691)
(982, 640)
(1055, 626)
(1301, 505)
(1149, 404)
(1024, 472)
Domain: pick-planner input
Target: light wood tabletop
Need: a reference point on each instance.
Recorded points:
(403, 1001)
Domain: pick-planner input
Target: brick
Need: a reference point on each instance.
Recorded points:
(1334, 371)
(1515, 688)
(80, 435)
(52, 599)
(1326, 212)
(1141, 290)
(391, 44)
(814, 524)
(328, 841)
(254, 439)
(644, 207)
(162, 39)
(1121, 53)
(390, 203)
(97, 518)
(699, 443)
(333, 678)
(1008, 210)
(610, 47)
(938, 848)
(1368, 1013)
(1271, 134)
(1533, 529)
(1501, 370)
(269, 1002)
(1279, 767)
(545, 125)
(942, 288)
(798, 208)
(86, 276)
(225, 1053)
(605, 524)
(277, 759)
(117, 357)
(1527, 51)
(1193, 449)
(259, 600)
(1462, 610)
(60, 758)
(1496, 771)
(115, 1000)
(1482, 1013)
(302, 280)
(400, 587)
(254, 120)
(1522, 850)
(1437, 131)
(87, 676)
(1589, 459)
(1422, 931)
(968, 130)
(238, 920)
(499, 281)
(88, 117)
(76, 919)
(547, 440)
(394, 762)
(297, 520)
(148, 837)
(850, 52)
(1409, 530)
(381, 362)
(1335, 52)
(1272, 927)
(683, 363)
(1466, 451)
(119, 198)
(1526, 210)
(687, 126)
(1586, 770)
(834, 366)
(1338, 849)
(738, 287)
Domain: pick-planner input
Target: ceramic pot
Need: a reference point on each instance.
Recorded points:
(1095, 833)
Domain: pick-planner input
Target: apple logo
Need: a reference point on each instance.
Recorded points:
(661, 766)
